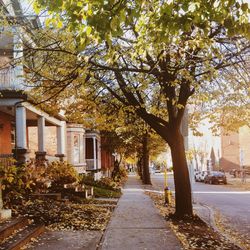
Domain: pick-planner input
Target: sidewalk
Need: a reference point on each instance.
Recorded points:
(136, 223)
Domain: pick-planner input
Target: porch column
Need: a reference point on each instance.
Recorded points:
(21, 135)
(95, 153)
(60, 136)
(99, 154)
(41, 153)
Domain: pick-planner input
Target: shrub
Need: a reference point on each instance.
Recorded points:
(7, 176)
(108, 183)
(106, 193)
(61, 173)
(120, 175)
(105, 182)
(34, 176)
(87, 180)
(8, 171)
(15, 181)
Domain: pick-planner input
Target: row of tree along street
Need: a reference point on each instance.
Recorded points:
(141, 63)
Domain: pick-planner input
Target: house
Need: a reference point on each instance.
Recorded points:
(93, 153)
(107, 158)
(26, 131)
(17, 111)
(235, 149)
(17, 116)
(225, 150)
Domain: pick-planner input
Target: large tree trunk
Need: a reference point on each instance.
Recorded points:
(145, 160)
(1, 196)
(139, 167)
(183, 197)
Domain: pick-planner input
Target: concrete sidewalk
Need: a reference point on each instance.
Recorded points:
(136, 223)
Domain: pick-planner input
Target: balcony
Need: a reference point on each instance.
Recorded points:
(10, 78)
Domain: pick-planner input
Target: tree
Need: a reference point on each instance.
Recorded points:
(150, 55)
(125, 133)
(229, 108)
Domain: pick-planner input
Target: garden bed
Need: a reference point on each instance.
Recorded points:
(58, 215)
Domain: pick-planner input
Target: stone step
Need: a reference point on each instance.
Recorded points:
(22, 237)
(8, 228)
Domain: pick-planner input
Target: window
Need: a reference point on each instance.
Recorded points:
(89, 148)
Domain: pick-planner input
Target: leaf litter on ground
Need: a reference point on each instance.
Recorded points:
(193, 233)
(58, 215)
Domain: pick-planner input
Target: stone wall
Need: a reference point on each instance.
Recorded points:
(50, 141)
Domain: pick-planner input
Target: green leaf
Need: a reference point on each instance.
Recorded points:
(114, 23)
(59, 24)
(88, 30)
(79, 3)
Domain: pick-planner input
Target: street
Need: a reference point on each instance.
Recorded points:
(233, 204)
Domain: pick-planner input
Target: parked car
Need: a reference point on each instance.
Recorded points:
(157, 169)
(154, 169)
(196, 175)
(200, 176)
(235, 172)
(215, 177)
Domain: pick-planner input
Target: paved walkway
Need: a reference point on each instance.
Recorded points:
(136, 223)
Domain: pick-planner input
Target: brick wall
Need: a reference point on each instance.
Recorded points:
(230, 151)
(5, 133)
(50, 141)
(231, 145)
(107, 159)
(244, 139)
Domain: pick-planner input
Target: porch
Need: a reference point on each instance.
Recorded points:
(17, 116)
(93, 153)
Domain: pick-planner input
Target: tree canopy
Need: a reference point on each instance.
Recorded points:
(151, 55)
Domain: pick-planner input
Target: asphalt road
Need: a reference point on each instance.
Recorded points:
(232, 204)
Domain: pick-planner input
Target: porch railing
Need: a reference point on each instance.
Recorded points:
(90, 164)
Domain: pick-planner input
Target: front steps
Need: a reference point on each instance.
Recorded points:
(18, 232)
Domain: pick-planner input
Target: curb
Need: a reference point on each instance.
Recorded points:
(212, 223)
(100, 243)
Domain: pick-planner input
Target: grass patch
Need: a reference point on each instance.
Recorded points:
(106, 193)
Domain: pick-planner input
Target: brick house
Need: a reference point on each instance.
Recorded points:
(226, 150)
(17, 117)
(17, 112)
(235, 149)
(28, 132)
(107, 159)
